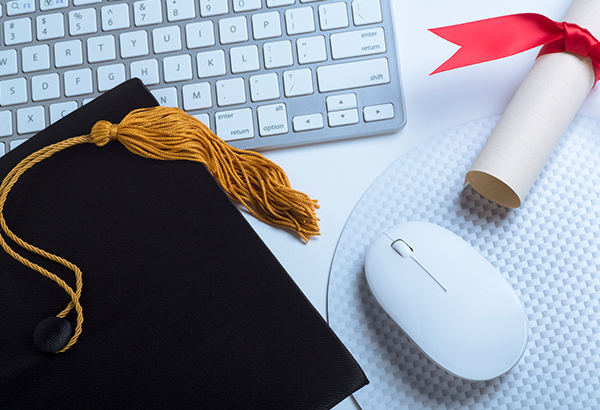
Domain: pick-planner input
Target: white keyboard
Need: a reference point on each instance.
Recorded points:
(259, 73)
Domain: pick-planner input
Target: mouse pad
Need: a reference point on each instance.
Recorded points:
(548, 250)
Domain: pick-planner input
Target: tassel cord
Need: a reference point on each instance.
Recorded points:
(6, 186)
(249, 178)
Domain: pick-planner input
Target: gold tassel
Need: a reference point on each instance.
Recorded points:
(249, 178)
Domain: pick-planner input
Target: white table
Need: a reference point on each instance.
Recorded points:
(338, 173)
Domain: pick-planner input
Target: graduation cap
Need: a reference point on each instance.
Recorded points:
(184, 305)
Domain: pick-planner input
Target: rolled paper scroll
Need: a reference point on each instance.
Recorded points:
(541, 110)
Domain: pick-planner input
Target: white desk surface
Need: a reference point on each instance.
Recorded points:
(338, 173)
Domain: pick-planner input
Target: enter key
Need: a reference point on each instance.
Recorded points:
(358, 43)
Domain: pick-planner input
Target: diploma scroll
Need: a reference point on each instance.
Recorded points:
(536, 118)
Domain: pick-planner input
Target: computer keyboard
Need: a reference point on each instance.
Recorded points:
(259, 73)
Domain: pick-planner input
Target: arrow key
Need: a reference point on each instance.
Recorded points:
(307, 122)
(341, 102)
(345, 117)
(378, 112)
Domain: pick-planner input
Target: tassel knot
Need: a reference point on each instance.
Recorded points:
(113, 132)
(103, 132)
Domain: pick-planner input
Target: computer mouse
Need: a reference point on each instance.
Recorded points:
(454, 305)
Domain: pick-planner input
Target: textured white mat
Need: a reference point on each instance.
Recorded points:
(548, 250)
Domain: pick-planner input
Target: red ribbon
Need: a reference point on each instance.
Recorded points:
(500, 37)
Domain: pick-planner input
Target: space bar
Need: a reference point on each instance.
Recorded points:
(357, 74)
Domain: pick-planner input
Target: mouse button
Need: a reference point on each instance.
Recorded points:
(403, 248)
(451, 260)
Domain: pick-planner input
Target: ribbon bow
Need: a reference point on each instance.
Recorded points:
(499, 37)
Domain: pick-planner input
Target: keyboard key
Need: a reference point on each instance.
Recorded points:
(50, 26)
(341, 102)
(279, 3)
(297, 82)
(82, 22)
(167, 97)
(13, 92)
(59, 110)
(246, 5)
(31, 119)
(264, 87)
(68, 53)
(300, 21)
(234, 124)
(364, 73)
(233, 30)
(272, 120)
(147, 12)
(213, 7)
(311, 49)
(178, 10)
(333, 16)
(8, 62)
(101, 49)
(46, 5)
(200, 34)
(166, 39)
(45, 87)
(145, 70)
(357, 43)
(115, 17)
(134, 44)
(18, 7)
(345, 117)
(203, 118)
(36, 58)
(78, 82)
(266, 25)
(230, 92)
(307, 122)
(15, 143)
(366, 12)
(278, 54)
(378, 112)
(244, 59)
(85, 2)
(177, 68)
(6, 124)
(109, 76)
(197, 96)
(17, 31)
(211, 63)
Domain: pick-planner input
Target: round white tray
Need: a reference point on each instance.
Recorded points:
(548, 250)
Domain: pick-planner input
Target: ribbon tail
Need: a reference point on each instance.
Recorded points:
(496, 38)
(595, 57)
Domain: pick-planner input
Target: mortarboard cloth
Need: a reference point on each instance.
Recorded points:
(185, 306)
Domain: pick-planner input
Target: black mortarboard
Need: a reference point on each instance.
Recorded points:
(185, 306)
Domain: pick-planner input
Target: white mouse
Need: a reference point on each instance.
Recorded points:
(448, 299)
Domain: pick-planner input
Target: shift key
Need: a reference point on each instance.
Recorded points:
(356, 74)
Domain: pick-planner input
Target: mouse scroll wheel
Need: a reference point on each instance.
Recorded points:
(402, 248)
